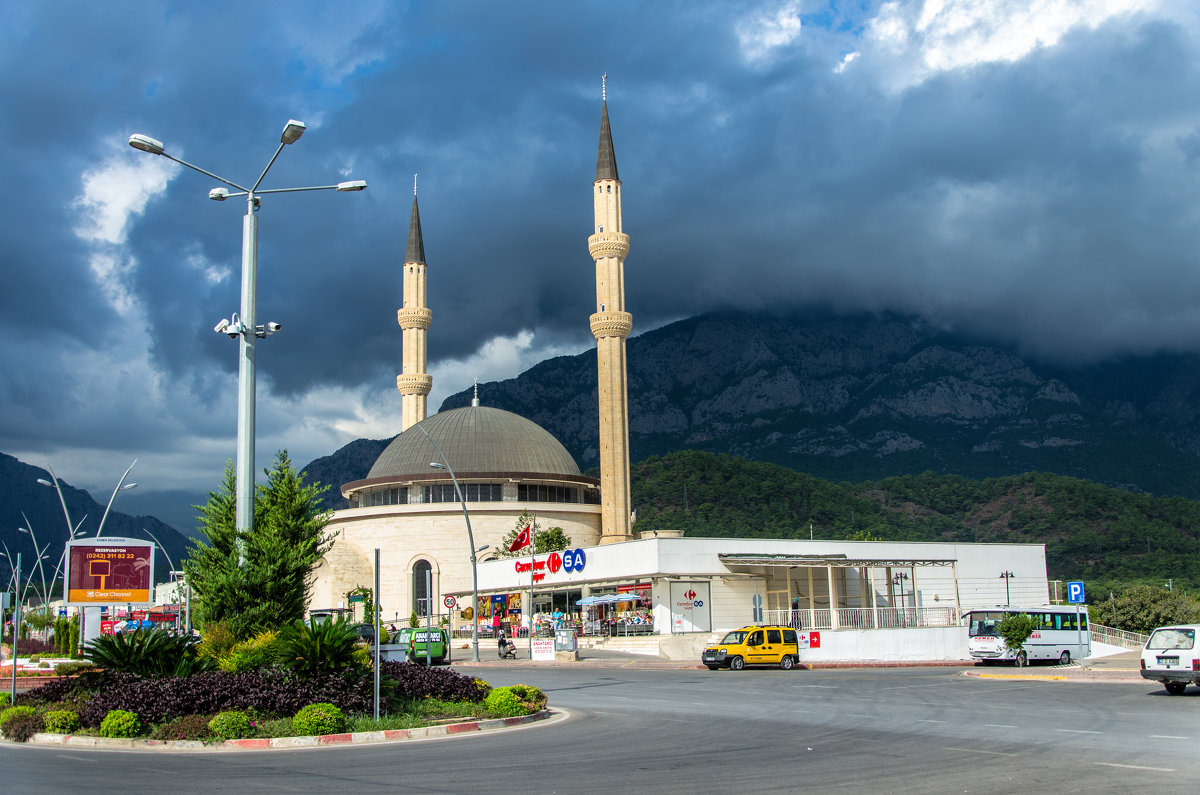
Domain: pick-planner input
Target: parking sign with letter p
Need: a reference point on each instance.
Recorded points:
(1075, 592)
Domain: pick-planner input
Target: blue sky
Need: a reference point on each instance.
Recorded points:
(1024, 169)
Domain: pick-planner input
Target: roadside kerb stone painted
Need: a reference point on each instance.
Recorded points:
(270, 743)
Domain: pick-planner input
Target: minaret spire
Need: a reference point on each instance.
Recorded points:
(414, 318)
(610, 325)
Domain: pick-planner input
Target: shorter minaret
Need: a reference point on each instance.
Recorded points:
(414, 318)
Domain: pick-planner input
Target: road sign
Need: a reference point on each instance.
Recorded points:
(1075, 592)
(757, 600)
(449, 601)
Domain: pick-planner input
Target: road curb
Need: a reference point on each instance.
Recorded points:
(287, 743)
(1091, 677)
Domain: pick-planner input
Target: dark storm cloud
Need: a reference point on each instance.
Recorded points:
(1046, 199)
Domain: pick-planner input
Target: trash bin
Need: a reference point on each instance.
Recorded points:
(564, 640)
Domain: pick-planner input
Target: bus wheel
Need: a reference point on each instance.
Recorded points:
(1064, 658)
(1175, 688)
(737, 663)
(787, 662)
(1022, 659)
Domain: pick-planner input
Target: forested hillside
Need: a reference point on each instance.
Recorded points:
(1091, 532)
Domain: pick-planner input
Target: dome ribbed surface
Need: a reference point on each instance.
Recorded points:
(476, 439)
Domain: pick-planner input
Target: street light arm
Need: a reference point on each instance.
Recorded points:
(61, 501)
(268, 168)
(160, 546)
(182, 162)
(120, 483)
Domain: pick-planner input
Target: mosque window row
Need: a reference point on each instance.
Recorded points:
(472, 492)
(392, 496)
(537, 492)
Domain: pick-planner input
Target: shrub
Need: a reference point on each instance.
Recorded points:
(121, 723)
(319, 718)
(503, 701)
(265, 692)
(261, 651)
(312, 648)
(5, 698)
(35, 658)
(423, 681)
(72, 668)
(62, 721)
(11, 714)
(187, 727)
(146, 653)
(43, 664)
(232, 725)
(21, 728)
(515, 700)
(216, 641)
(31, 646)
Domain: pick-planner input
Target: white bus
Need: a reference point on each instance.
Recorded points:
(1057, 634)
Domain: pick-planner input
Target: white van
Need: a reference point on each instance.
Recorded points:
(1172, 657)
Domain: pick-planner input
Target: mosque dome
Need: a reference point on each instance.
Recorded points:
(475, 439)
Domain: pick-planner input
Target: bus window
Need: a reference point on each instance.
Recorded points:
(984, 623)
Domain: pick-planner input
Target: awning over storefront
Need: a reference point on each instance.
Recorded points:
(835, 561)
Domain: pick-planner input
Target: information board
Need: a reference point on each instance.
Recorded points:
(103, 571)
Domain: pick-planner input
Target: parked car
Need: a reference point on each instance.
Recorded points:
(420, 644)
(754, 645)
(1171, 657)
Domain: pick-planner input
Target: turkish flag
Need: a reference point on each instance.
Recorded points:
(522, 540)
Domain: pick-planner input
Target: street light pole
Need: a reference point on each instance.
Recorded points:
(244, 327)
(1006, 576)
(470, 539)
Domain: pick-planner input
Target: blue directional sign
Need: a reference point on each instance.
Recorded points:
(1075, 594)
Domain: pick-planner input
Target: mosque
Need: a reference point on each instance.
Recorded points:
(409, 509)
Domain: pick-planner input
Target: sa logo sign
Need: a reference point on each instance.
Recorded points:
(573, 560)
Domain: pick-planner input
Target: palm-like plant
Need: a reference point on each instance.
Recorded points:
(151, 653)
(311, 648)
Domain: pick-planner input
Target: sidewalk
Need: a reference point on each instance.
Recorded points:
(1123, 668)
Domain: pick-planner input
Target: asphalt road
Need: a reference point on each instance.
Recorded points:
(878, 730)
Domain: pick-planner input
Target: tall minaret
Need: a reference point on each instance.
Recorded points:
(611, 325)
(413, 382)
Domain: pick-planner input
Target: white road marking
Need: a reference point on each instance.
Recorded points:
(1139, 767)
(927, 720)
(1166, 737)
(980, 751)
(1077, 731)
(1000, 726)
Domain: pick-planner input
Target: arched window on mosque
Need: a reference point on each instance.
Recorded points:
(422, 577)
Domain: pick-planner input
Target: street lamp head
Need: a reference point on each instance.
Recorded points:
(146, 143)
(219, 194)
(357, 184)
(25, 530)
(437, 465)
(128, 486)
(291, 132)
(44, 482)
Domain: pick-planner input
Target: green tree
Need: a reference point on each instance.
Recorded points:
(1015, 629)
(553, 540)
(271, 589)
(1142, 607)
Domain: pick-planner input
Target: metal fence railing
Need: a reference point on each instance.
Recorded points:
(864, 618)
(1117, 637)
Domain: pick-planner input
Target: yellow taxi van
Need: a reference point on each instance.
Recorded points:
(754, 645)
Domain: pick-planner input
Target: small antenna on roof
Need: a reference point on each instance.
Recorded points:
(475, 400)
(604, 88)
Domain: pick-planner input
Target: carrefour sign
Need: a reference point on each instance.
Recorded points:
(571, 560)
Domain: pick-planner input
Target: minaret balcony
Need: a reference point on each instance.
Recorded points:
(609, 244)
(414, 383)
(414, 317)
(611, 324)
